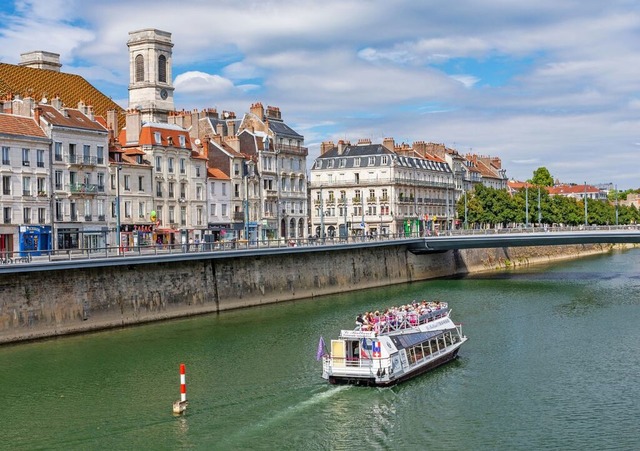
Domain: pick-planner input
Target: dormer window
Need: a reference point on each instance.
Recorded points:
(183, 140)
(157, 137)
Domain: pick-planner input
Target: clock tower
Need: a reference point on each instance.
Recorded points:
(150, 87)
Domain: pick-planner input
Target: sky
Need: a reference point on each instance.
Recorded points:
(550, 83)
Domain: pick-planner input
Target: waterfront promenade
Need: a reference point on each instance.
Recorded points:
(451, 240)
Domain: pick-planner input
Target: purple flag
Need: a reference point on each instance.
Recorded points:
(321, 346)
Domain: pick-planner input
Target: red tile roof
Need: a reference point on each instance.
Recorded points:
(70, 118)
(216, 173)
(20, 126)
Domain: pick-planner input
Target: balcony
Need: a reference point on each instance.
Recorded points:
(238, 216)
(82, 160)
(7, 220)
(101, 218)
(87, 218)
(85, 188)
(296, 150)
(74, 216)
(26, 192)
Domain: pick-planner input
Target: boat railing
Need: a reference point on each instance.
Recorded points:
(391, 323)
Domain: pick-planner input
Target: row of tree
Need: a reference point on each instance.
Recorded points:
(490, 207)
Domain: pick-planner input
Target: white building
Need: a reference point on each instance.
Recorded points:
(370, 189)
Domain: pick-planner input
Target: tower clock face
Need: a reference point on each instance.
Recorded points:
(164, 94)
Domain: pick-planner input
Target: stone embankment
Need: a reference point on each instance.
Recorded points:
(51, 303)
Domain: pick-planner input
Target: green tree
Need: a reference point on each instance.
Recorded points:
(542, 177)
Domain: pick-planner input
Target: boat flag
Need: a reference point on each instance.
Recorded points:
(376, 349)
(321, 347)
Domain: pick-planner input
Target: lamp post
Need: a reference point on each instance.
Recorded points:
(118, 168)
(585, 204)
(466, 211)
(526, 214)
(321, 218)
(616, 205)
(539, 210)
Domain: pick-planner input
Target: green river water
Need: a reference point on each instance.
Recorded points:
(552, 362)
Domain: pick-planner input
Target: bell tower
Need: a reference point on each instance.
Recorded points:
(150, 78)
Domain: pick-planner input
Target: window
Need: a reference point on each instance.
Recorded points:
(26, 186)
(372, 161)
(141, 210)
(40, 158)
(356, 162)
(139, 68)
(42, 215)
(158, 189)
(198, 192)
(212, 189)
(58, 180)
(224, 189)
(127, 184)
(171, 193)
(157, 137)
(100, 154)
(214, 209)
(170, 165)
(158, 164)
(100, 206)
(236, 190)
(183, 216)
(59, 210)
(162, 69)
(183, 190)
(199, 216)
(87, 210)
(72, 153)
(74, 211)
(86, 154)
(159, 214)
(41, 186)
(25, 157)
(172, 215)
(6, 184)
(183, 169)
(236, 169)
(224, 209)
(101, 182)
(57, 151)
(127, 209)
(384, 160)
(6, 212)
(5, 155)
(197, 171)
(141, 183)
(183, 140)
(113, 181)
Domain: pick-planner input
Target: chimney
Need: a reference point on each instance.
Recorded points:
(325, 147)
(41, 60)
(340, 147)
(389, 143)
(258, 110)
(220, 129)
(133, 125)
(37, 111)
(364, 142)
(420, 147)
(231, 128)
(90, 113)
(56, 103)
(112, 123)
(233, 142)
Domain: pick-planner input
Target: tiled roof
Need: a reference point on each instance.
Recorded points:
(216, 173)
(169, 135)
(572, 189)
(20, 126)
(69, 118)
(70, 88)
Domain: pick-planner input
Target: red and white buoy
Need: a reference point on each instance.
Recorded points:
(181, 405)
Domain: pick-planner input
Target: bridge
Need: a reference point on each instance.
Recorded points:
(459, 239)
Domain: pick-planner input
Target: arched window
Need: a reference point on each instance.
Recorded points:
(162, 69)
(139, 68)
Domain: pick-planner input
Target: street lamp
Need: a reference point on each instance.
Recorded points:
(616, 205)
(526, 214)
(585, 204)
(118, 169)
(466, 211)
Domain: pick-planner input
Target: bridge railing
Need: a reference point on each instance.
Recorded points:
(26, 257)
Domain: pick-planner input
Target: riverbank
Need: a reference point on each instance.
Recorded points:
(53, 303)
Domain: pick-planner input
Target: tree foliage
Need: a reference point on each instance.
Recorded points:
(542, 177)
(490, 207)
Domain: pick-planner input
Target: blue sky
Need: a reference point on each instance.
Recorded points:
(543, 83)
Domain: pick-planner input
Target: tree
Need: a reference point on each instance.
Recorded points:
(542, 177)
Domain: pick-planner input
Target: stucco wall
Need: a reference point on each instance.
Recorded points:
(43, 304)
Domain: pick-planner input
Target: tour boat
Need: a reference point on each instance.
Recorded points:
(393, 346)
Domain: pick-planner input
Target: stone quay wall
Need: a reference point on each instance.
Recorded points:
(51, 303)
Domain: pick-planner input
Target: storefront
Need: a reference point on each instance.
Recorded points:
(219, 232)
(6, 241)
(134, 235)
(166, 236)
(34, 239)
(68, 238)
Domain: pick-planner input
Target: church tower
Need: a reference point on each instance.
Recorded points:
(150, 81)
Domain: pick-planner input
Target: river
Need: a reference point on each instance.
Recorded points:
(552, 362)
